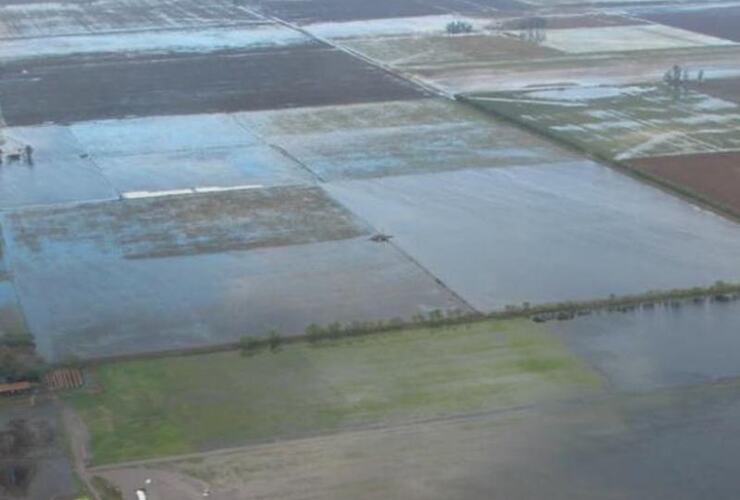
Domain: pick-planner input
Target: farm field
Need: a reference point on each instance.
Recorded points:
(179, 405)
(60, 174)
(109, 158)
(609, 68)
(714, 20)
(627, 38)
(417, 53)
(306, 12)
(542, 234)
(187, 271)
(49, 19)
(204, 176)
(146, 86)
(396, 138)
(624, 122)
(723, 88)
(156, 42)
(619, 449)
(714, 176)
(655, 402)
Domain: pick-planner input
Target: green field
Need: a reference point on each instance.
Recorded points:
(151, 408)
(620, 122)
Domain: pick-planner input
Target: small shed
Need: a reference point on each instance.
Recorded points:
(14, 388)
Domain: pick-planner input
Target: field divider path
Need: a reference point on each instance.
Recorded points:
(281, 150)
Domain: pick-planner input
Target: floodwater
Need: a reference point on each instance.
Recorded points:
(96, 306)
(569, 231)
(60, 171)
(671, 445)
(665, 346)
(90, 284)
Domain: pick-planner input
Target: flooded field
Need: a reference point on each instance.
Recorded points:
(625, 121)
(59, 173)
(304, 11)
(557, 232)
(181, 271)
(393, 138)
(679, 344)
(162, 42)
(176, 85)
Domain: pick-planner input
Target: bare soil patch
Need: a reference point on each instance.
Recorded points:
(722, 22)
(713, 175)
(724, 88)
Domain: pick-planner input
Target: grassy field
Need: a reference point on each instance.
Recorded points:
(622, 122)
(153, 408)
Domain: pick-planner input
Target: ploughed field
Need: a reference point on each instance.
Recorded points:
(149, 274)
(151, 86)
(714, 176)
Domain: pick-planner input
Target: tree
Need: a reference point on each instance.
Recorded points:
(274, 340)
(457, 27)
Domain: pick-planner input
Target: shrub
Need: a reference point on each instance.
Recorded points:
(457, 27)
(274, 340)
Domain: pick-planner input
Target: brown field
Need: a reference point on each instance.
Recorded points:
(724, 88)
(191, 84)
(719, 21)
(575, 21)
(715, 176)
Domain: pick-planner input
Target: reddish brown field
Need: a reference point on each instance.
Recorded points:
(714, 176)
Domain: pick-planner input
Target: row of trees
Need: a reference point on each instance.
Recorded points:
(314, 333)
